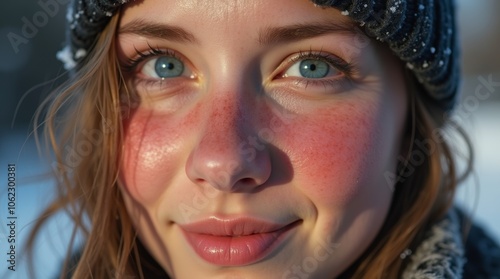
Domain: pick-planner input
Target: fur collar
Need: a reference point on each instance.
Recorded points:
(441, 255)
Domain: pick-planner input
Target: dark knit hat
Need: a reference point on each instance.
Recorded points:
(421, 33)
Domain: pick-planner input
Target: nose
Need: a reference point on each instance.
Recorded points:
(229, 156)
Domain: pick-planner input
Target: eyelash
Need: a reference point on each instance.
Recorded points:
(337, 63)
(131, 64)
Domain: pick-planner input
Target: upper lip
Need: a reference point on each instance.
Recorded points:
(238, 226)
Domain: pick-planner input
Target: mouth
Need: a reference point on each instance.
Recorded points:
(235, 242)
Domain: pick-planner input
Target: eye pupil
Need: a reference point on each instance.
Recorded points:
(312, 68)
(166, 67)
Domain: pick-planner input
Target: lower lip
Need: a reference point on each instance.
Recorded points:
(235, 251)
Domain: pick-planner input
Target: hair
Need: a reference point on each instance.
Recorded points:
(88, 189)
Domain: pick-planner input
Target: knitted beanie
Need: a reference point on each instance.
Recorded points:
(421, 33)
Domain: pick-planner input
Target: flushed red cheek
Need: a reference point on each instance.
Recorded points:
(151, 147)
(333, 154)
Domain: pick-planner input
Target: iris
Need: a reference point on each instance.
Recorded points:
(168, 67)
(313, 68)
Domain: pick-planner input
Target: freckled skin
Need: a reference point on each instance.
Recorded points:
(237, 141)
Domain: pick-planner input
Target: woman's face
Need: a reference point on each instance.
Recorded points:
(262, 138)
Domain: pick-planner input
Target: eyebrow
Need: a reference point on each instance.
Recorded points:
(158, 30)
(297, 32)
(267, 36)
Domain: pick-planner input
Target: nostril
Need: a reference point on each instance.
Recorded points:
(227, 169)
(199, 180)
(247, 181)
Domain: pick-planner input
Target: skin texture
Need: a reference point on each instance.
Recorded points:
(239, 135)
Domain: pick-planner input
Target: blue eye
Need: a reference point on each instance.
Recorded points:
(309, 68)
(164, 67)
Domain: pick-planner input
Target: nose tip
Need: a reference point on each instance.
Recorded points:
(223, 155)
(227, 168)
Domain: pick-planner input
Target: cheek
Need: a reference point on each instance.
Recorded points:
(341, 154)
(150, 155)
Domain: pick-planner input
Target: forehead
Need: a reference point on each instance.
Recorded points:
(242, 14)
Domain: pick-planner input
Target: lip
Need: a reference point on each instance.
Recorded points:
(234, 242)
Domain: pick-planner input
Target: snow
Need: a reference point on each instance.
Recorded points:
(80, 53)
(66, 57)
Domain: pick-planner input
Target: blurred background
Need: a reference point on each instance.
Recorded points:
(28, 68)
